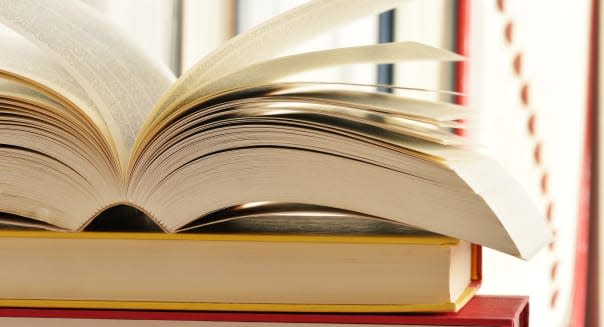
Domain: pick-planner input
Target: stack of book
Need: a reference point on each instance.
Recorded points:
(263, 195)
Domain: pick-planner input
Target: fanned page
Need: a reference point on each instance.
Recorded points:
(51, 152)
(229, 134)
(275, 69)
(23, 61)
(266, 41)
(119, 78)
(269, 71)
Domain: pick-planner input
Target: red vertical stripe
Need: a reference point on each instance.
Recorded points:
(581, 261)
(462, 46)
(462, 79)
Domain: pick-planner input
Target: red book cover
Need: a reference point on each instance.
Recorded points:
(586, 207)
(495, 311)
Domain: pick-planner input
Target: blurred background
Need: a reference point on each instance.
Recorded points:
(532, 76)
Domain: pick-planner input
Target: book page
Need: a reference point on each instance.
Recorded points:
(437, 113)
(51, 153)
(265, 41)
(271, 70)
(22, 60)
(118, 77)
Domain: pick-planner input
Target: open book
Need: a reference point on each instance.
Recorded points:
(88, 122)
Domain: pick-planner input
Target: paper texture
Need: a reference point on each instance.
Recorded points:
(57, 167)
(120, 79)
(271, 70)
(22, 60)
(266, 41)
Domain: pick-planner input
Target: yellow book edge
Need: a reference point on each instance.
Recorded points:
(264, 307)
(428, 239)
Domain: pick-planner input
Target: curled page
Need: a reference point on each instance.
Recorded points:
(526, 232)
(271, 70)
(438, 113)
(22, 60)
(266, 41)
(121, 80)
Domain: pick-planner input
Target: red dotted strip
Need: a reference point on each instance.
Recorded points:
(525, 100)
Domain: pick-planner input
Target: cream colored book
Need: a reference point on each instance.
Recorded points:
(291, 261)
(245, 161)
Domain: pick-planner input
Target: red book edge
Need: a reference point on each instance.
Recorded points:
(579, 304)
(462, 84)
(499, 311)
(462, 47)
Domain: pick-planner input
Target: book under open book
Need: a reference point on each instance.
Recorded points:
(494, 311)
(88, 122)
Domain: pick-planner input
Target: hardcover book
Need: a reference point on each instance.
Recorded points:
(337, 263)
(492, 311)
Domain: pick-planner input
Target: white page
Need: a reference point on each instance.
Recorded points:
(120, 79)
(22, 60)
(267, 40)
(271, 70)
